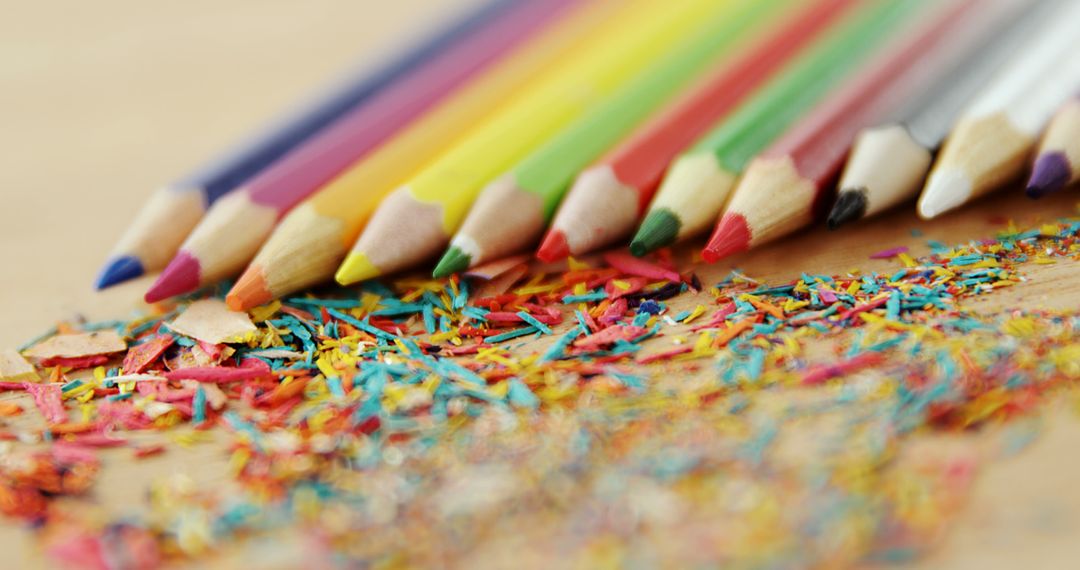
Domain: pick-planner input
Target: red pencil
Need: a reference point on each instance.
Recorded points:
(788, 184)
(607, 200)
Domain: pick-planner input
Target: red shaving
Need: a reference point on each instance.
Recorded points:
(76, 363)
(863, 308)
(609, 336)
(633, 266)
(139, 358)
(48, 401)
(829, 371)
(249, 369)
(149, 451)
(635, 284)
(614, 312)
(666, 354)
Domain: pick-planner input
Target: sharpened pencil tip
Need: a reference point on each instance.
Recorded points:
(660, 228)
(250, 290)
(181, 276)
(118, 270)
(1051, 173)
(732, 235)
(356, 267)
(453, 261)
(947, 189)
(555, 248)
(850, 206)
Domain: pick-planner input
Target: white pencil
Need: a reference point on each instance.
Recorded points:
(992, 142)
(889, 161)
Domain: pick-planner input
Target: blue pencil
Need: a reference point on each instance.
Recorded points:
(166, 220)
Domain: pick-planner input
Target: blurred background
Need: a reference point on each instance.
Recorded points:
(101, 102)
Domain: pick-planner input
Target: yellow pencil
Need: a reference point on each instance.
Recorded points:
(416, 221)
(312, 240)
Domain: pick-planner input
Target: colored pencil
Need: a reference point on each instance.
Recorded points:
(889, 161)
(513, 211)
(786, 184)
(699, 180)
(606, 200)
(417, 219)
(993, 141)
(238, 224)
(169, 216)
(312, 240)
(1058, 162)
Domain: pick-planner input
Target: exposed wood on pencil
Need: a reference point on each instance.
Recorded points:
(172, 212)
(889, 162)
(239, 224)
(993, 141)
(699, 181)
(452, 182)
(312, 240)
(511, 213)
(607, 199)
(786, 187)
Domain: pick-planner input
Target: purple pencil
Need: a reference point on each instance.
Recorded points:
(1058, 162)
(238, 224)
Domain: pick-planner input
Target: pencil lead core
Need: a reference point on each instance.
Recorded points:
(181, 276)
(660, 228)
(850, 206)
(453, 261)
(554, 248)
(1051, 173)
(732, 235)
(118, 270)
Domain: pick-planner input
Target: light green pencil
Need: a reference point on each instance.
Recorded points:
(698, 182)
(513, 210)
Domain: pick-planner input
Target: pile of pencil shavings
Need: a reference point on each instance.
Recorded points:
(613, 411)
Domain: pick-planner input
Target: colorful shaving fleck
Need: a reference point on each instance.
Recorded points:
(410, 424)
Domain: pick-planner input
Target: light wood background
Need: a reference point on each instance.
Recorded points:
(102, 101)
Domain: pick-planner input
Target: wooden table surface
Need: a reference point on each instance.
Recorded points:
(102, 101)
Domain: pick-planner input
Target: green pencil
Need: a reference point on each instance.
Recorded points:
(693, 192)
(513, 211)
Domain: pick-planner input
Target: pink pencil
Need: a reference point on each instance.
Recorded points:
(237, 225)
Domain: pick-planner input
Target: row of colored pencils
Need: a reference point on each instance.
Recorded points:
(590, 118)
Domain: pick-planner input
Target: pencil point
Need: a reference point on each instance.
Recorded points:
(732, 235)
(453, 261)
(356, 267)
(554, 248)
(1051, 173)
(660, 228)
(117, 270)
(250, 290)
(850, 206)
(181, 276)
(946, 190)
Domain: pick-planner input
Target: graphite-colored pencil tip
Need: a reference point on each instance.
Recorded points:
(356, 267)
(850, 206)
(118, 270)
(453, 261)
(660, 228)
(179, 277)
(250, 290)
(554, 248)
(1051, 173)
(732, 235)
